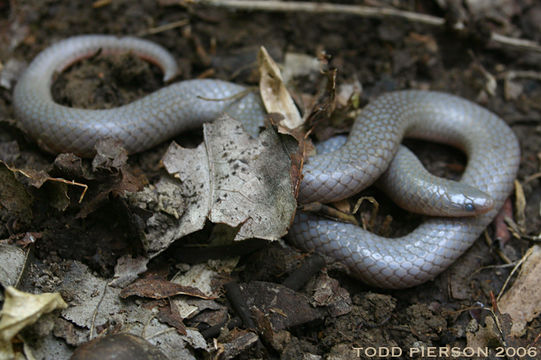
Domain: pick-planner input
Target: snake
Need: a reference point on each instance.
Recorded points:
(371, 151)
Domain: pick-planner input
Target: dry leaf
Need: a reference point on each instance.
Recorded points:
(159, 289)
(96, 305)
(127, 269)
(23, 309)
(283, 306)
(236, 180)
(523, 300)
(202, 277)
(273, 92)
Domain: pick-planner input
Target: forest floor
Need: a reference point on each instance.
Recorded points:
(78, 248)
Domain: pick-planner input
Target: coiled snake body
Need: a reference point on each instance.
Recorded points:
(491, 146)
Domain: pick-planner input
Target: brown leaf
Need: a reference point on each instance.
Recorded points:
(71, 166)
(237, 342)
(282, 306)
(169, 315)
(160, 289)
(110, 155)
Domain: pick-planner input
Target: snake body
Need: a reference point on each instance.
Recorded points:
(491, 146)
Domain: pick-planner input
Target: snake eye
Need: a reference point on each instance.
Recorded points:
(469, 207)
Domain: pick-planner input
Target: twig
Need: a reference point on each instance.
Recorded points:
(517, 266)
(160, 333)
(95, 313)
(61, 180)
(514, 42)
(165, 27)
(359, 10)
(147, 324)
(490, 267)
(532, 177)
(495, 312)
(327, 8)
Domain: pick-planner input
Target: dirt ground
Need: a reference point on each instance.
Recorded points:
(382, 55)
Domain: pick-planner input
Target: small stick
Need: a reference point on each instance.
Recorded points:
(514, 42)
(515, 268)
(302, 6)
(164, 27)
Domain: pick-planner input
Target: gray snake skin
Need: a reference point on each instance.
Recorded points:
(491, 146)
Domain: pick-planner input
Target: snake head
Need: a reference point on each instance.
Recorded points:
(468, 201)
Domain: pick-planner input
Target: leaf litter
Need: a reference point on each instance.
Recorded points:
(163, 201)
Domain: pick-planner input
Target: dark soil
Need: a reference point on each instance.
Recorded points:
(384, 55)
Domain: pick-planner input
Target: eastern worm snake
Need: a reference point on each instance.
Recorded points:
(491, 147)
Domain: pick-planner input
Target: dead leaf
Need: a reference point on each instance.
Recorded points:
(208, 312)
(236, 180)
(282, 306)
(110, 155)
(235, 343)
(298, 145)
(273, 92)
(117, 184)
(12, 263)
(21, 310)
(95, 305)
(523, 300)
(159, 289)
(327, 291)
(277, 339)
(127, 269)
(167, 218)
(348, 94)
(323, 105)
(170, 315)
(203, 277)
(71, 166)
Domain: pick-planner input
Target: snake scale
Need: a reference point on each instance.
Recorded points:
(491, 146)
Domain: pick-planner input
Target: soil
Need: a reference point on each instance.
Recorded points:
(383, 54)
